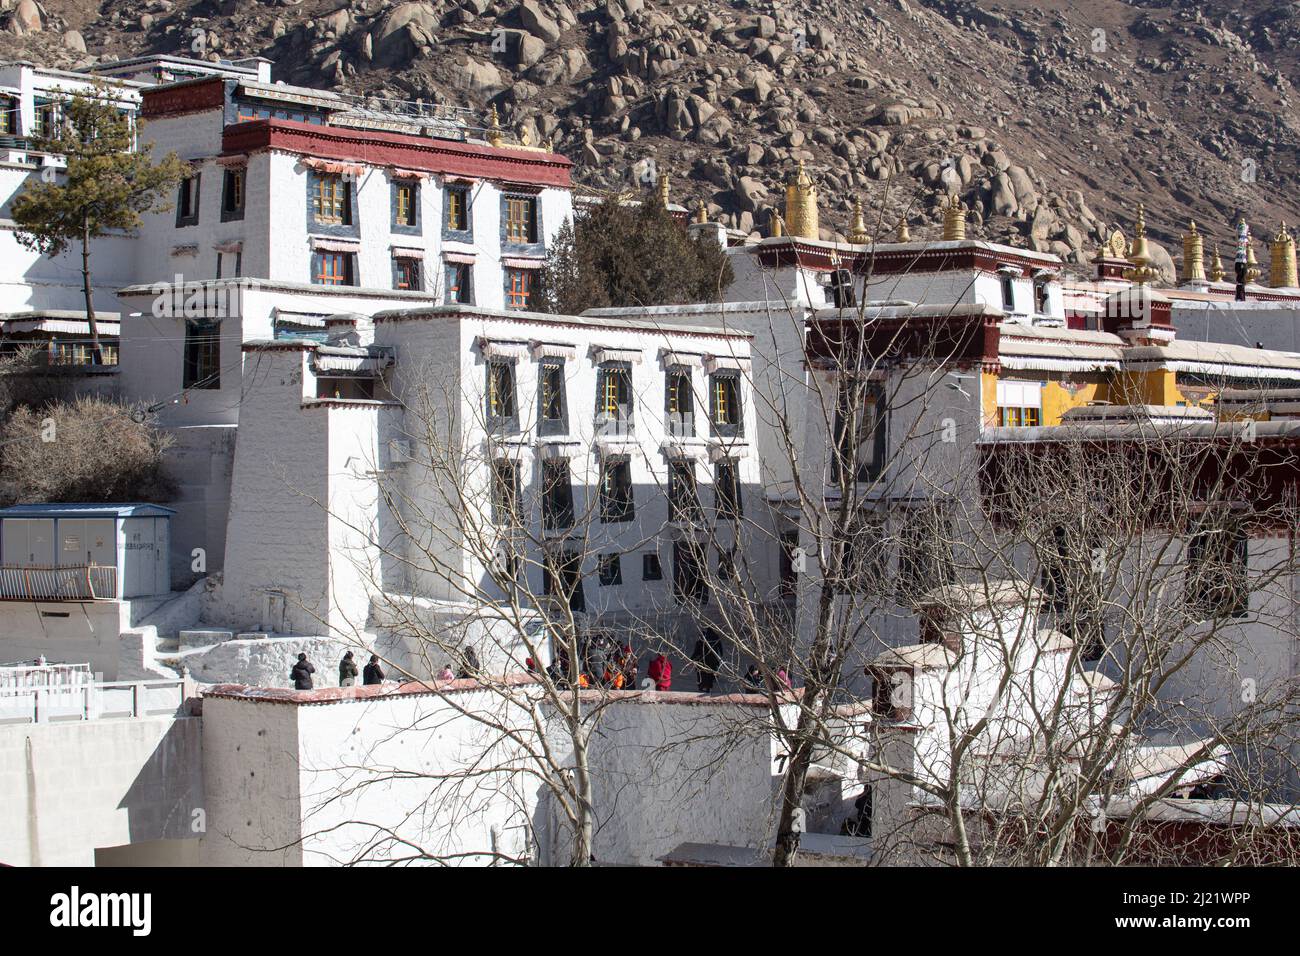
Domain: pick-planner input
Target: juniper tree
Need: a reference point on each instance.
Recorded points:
(109, 183)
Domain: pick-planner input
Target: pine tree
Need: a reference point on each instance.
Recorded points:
(108, 184)
(622, 255)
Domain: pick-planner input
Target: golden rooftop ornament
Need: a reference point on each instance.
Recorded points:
(494, 128)
(663, 190)
(954, 220)
(1216, 266)
(904, 234)
(1193, 255)
(1282, 274)
(858, 234)
(1140, 255)
(701, 212)
(801, 205)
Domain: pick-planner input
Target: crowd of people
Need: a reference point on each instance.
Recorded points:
(604, 663)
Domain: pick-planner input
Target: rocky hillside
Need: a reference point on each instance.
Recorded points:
(1050, 119)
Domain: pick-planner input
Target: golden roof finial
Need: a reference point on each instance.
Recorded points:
(1193, 255)
(701, 212)
(776, 227)
(1282, 274)
(1253, 271)
(801, 205)
(1140, 254)
(1216, 266)
(494, 127)
(954, 219)
(663, 189)
(525, 137)
(904, 234)
(858, 234)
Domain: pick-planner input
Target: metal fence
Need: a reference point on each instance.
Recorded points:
(62, 583)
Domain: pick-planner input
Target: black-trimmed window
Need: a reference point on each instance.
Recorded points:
(236, 262)
(789, 580)
(610, 569)
(519, 288)
(331, 199)
(232, 194)
(9, 116)
(726, 490)
(679, 402)
(1042, 300)
(552, 403)
(47, 119)
(651, 567)
(861, 448)
(202, 360)
(519, 220)
(614, 397)
(690, 583)
(683, 496)
(407, 273)
(502, 409)
(187, 200)
(562, 578)
(616, 502)
(1217, 581)
(406, 205)
(460, 283)
(456, 204)
(507, 492)
(333, 268)
(557, 495)
(1008, 293)
(724, 401)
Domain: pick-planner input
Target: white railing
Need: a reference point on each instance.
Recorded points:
(91, 701)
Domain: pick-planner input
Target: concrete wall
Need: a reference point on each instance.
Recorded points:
(70, 788)
(1275, 324)
(73, 632)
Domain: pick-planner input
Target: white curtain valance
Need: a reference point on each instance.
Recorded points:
(334, 245)
(234, 245)
(185, 250)
(329, 166)
(407, 252)
(559, 449)
(459, 258)
(670, 358)
(503, 348)
(407, 173)
(605, 353)
(713, 363)
(563, 350)
(510, 262)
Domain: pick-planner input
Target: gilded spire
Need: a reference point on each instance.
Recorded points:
(494, 127)
(775, 225)
(954, 219)
(801, 205)
(701, 212)
(904, 234)
(1140, 254)
(1253, 270)
(663, 190)
(1193, 254)
(1216, 266)
(1282, 274)
(858, 234)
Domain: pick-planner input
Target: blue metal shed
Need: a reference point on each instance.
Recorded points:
(84, 551)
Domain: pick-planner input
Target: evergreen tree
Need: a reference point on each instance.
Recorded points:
(621, 255)
(109, 183)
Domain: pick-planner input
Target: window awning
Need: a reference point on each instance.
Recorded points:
(559, 449)
(237, 161)
(233, 245)
(407, 252)
(511, 262)
(185, 250)
(407, 173)
(553, 350)
(669, 358)
(334, 245)
(459, 258)
(328, 166)
(503, 348)
(714, 363)
(605, 353)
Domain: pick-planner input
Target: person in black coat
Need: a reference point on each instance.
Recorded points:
(469, 664)
(705, 658)
(373, 673)
(301, 673)
(347, 670)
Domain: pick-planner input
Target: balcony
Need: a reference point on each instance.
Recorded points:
(63, 583)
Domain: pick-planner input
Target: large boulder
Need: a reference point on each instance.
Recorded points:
(537, 22)
(27, 17)
(750, 193)
(478, 76)
(395, 37)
